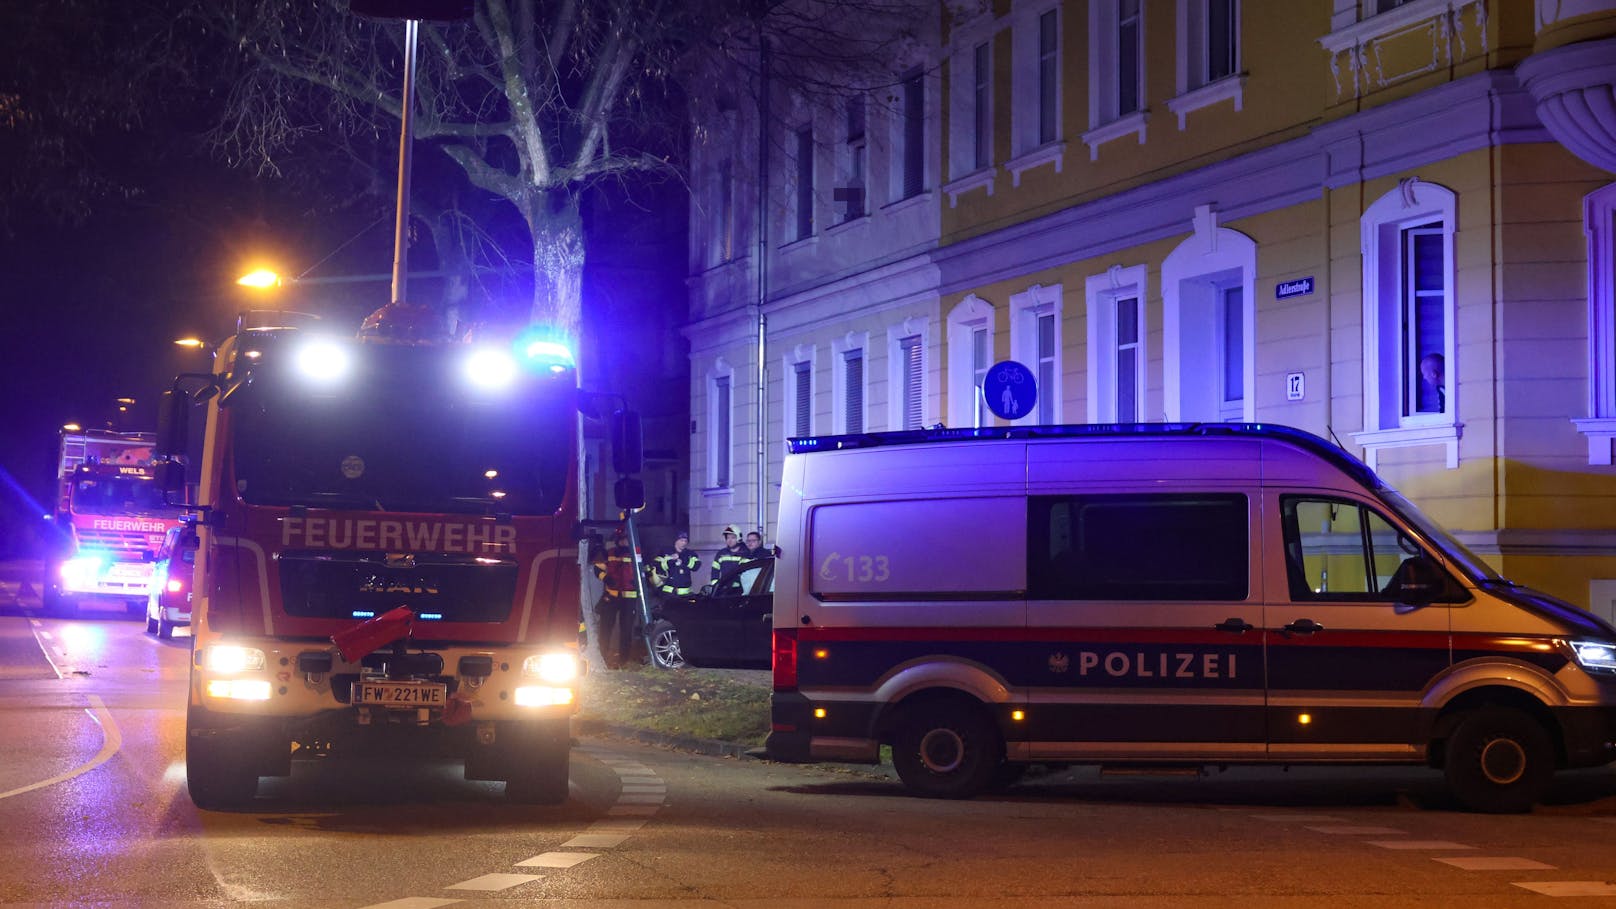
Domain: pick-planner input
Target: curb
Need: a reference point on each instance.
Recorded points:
(675, 742)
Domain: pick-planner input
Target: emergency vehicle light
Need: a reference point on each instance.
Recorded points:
(323, 361)
(363, 614)
(227, 658)
(239, 689)
(175, 585)
(490, 369)
(555, 668)
(553, 354)
(81, 570)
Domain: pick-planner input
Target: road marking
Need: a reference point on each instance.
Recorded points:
(111, 741)
(1494, 863)
(1569, 888)
(1428, 845)
(596, 840)
(495, 881)
(557, 859)
(412, 902)
(1299, 818)
(1359, 831)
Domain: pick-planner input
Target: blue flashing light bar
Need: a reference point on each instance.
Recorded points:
(431, 616)
(937, 434)
(541, 347)
(363, 614)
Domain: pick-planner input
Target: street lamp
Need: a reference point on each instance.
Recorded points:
(193, 343)
(261, 278)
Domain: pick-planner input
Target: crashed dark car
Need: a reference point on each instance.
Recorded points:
(729, 623)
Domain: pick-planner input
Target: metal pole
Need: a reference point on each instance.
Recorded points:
(763, 285)
(412, 28)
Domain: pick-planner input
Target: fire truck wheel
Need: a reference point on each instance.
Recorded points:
(59, 606)
(543, 781)
(165, 628)
(217, 775)
(946, 749)
(1498, 760)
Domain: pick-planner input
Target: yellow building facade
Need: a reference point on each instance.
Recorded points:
(1388, 223)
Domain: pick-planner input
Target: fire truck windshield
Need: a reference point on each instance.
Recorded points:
(118, 495)
(405, 438)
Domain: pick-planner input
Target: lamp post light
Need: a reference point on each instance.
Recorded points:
(261, 279)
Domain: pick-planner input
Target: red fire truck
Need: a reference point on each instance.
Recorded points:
(388, 554)
(109, 518)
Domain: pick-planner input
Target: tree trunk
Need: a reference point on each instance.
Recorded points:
(557, 227)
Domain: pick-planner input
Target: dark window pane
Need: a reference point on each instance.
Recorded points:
(1234, 342)
(1128, 65)
(1128, 320)
(721, 418)
(1220, 39)
(804, 391)
(913, 376)
(984, 123)
(853, 366)
(914, 136)
(1138, 547)
(1127, 386)
(1048, 77)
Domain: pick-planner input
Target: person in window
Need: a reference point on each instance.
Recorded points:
(619, 602)
(733, 553)
(672, 569)
(1431, 374)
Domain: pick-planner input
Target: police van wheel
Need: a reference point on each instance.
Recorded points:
(1498, 760)
(947, 750)
(663, 641)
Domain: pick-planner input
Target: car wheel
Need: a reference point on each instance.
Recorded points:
(663, 641)
(946, 749)
(1498, 760)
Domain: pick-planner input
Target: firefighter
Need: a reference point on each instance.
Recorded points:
(733, 553)
(673, 568)
(619, 603)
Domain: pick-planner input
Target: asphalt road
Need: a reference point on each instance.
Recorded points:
(93, 811)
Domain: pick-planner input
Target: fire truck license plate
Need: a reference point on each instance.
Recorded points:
(401, 694)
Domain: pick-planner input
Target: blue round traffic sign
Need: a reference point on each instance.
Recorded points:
(1010, 390)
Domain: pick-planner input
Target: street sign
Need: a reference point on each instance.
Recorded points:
(1010, 390)
(425, 10)
(1300, 287)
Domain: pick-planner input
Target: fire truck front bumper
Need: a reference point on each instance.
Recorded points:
(451, 685)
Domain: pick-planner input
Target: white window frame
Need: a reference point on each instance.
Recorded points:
(1599, 225)
(798, 195)
(1101, 293)
(853, 162)
(898, 140)
(1196, 89)
(789, 401)
(1413, 204)
(1025, 309)
(1213, 258)
(964, 174)
(859, 341)
(720, 423)
(970, 315)
(1026, 148)
(1105, 121)
(910, 327)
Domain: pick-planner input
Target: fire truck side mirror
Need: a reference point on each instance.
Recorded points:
(170, 476)
(628, 446)
(173, 425)
(630, 493)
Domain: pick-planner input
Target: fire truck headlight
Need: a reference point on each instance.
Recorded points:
(490, 369)
(239, 689)
(226, 658)
(81, 571)
(1595, 656)
(553, 668)
(323, 361)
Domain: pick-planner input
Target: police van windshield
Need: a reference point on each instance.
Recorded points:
(1461, 556)
(410, 438)
(118, 495)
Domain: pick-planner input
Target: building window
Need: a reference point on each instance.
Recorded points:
(1035, 341)
(854, 157)
(802, 396)
(1386, 6)
(1048, 77)
(726, 211)
(1231, 346)
(912, 381)
(914, 135)
(722, 415)
(1117, 332)
(1410, 371)
(1128, 75)
(805, 182)
(1222, 40)
(1599, 223)
(970, 353)
(851, 400)
(982, 107)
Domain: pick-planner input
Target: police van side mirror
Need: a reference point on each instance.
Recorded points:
(1418, 581)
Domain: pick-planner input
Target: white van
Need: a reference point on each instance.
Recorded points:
(1150, 595)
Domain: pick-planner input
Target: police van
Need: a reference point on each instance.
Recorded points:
(1159, 595)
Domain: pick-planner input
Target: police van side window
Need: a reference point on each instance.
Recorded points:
(1138, 547)
(1340, 550)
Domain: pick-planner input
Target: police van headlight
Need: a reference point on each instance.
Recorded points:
(229, 658)
(1595, 656)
